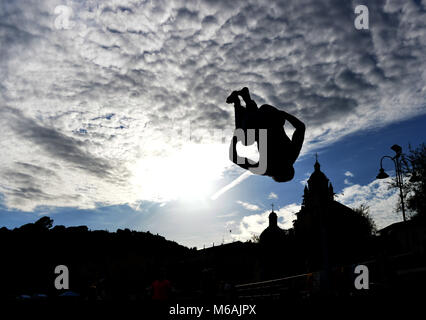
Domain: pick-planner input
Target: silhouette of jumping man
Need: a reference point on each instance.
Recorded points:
(281, 151)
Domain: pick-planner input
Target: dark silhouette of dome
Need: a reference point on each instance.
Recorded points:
(273, 233)
(319, 188)
(323, 222)
(317, 178)
(273, 219)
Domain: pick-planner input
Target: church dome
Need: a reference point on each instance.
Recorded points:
(317, 176)
(318, 187)
(273, 219)
(273, 233)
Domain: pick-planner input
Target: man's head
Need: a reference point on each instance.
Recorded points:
(285, 176)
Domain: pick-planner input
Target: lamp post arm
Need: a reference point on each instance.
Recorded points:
(381, 161)
(400, 184)
(399, 181)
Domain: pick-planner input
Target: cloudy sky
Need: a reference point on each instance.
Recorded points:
(113, 113)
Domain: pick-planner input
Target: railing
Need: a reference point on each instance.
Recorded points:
(277, 288)
(340, 279)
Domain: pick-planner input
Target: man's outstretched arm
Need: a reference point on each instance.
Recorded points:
(296, 123)
(298, 135)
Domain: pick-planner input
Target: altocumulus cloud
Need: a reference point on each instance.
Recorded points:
(272, 195)
(248, 206)
(254, 224)
(378, 196)
(87, 111)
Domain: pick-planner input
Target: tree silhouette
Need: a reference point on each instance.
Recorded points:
(414, 169)
(364, 211)
(44, 222)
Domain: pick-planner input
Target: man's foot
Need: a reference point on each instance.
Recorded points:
(244, 91)
(233, 97)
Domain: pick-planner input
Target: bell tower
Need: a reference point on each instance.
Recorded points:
(273, 218)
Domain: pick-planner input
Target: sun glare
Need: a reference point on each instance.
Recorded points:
(187, 174)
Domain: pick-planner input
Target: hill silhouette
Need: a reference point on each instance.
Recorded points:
(120, 264)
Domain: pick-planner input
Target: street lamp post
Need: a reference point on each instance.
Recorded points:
(397, 162)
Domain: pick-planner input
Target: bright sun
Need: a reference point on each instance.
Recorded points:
(187, 174)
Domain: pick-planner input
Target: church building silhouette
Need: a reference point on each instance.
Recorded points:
(325, 233)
